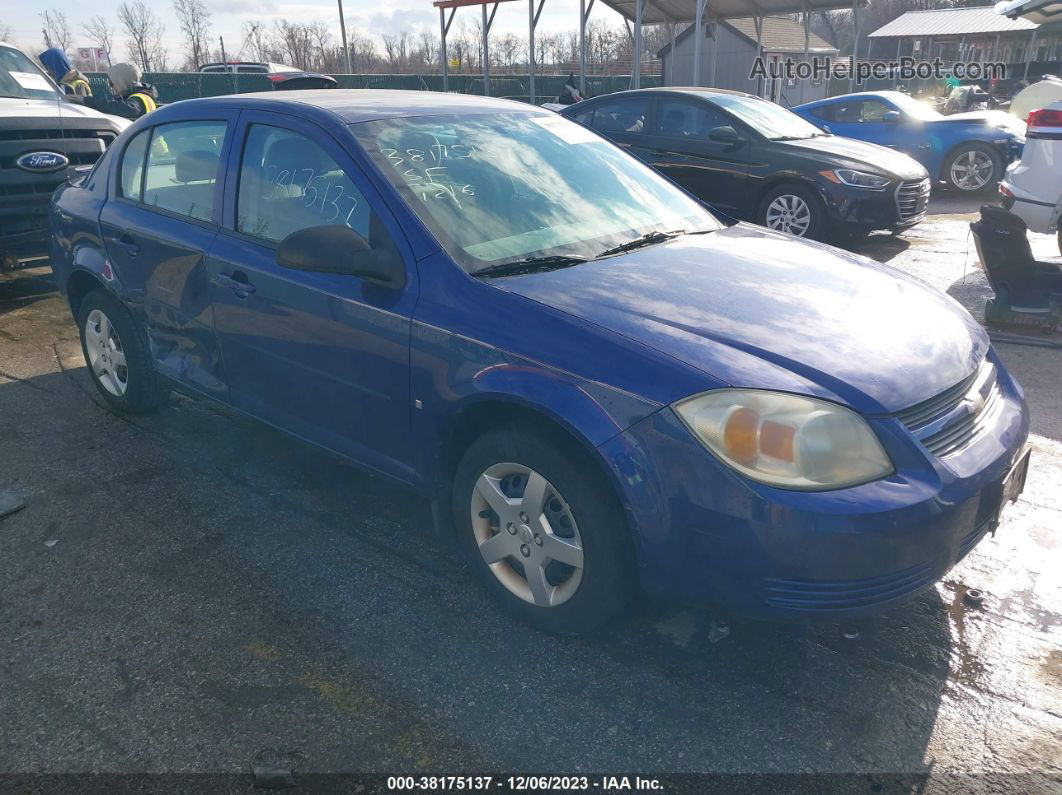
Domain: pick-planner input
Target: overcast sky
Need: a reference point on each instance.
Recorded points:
(370, 17)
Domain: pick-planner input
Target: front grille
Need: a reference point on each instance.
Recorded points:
(912, 199)
(24, 195)
(827, 595)
(953, 419)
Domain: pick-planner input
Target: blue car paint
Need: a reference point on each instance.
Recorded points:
(584, 348)
(929, 142)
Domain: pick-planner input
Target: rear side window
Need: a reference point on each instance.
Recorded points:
(132, 168)
(288, 183)
(182, 167)
(622, 115)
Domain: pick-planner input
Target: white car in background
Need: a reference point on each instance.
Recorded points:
(1032, 187)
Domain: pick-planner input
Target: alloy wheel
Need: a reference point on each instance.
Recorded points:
(527, 535)
(971, 170)
(106, 356)
(789, 213)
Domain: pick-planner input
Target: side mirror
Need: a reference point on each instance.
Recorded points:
(339, 249)
(826, 129)
(725, 134)
(892, 117)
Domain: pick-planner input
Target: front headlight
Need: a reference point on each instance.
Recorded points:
(856, 179)
(785, 440)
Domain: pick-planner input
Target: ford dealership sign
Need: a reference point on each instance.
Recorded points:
(42, 161)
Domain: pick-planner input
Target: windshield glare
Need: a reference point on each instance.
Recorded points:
(21, 79)
(912, 107)
(768, 119)
(507, 187)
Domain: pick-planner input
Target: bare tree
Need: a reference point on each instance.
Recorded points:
(255, 42)
(193, 18)
(56, 29)
(101, 33)
(5, 31)
(143, 32)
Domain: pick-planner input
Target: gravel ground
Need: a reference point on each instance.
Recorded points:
(185, 591)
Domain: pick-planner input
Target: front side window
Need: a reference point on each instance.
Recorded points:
(288, 183)
(182, 167)
(681, 118)
(505, 187)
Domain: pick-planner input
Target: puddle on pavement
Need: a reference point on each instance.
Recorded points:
(967, 666)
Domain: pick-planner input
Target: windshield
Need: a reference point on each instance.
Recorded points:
(20, 78)
(499, 188)
(912, 107)
(768, 119)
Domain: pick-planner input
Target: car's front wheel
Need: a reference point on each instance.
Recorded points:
(542, 530)
(793, 209)
(118, 354)
(973, 168)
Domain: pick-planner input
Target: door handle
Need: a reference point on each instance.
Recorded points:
(238, 283)
(128, 243)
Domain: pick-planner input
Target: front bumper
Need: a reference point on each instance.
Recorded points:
(900, 206)
(706, 535)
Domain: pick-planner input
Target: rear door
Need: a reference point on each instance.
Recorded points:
(157, 226)
(324, 356)
(714, 171)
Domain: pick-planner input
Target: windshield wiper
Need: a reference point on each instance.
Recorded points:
(530, 265)
(648, 239)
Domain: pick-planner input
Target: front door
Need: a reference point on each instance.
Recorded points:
(324, 356)
(715, 172)
(157, 228)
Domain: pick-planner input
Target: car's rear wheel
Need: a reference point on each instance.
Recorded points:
(793, 209)
(973, 168)
(118, 354)
(542, 531)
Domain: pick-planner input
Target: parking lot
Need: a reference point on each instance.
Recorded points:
(185, 591)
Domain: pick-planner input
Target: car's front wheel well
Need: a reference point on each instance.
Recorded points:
(80, 284)
(488, 415)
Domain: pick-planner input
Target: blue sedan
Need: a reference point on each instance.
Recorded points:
(604, 389)
(968, 151)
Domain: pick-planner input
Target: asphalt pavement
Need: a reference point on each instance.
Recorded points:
(191, 591)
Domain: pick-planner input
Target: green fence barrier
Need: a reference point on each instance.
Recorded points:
(174, 86)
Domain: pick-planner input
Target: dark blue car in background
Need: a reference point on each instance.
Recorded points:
(603, 389)
(968, 151)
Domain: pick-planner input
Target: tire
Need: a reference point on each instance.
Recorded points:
(976, 156)
(580, 520)
(793, 209)
(118, 355)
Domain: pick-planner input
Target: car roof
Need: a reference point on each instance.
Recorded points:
(850, 97)
(700, 91)
(362, 104)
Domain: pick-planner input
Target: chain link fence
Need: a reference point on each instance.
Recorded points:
(174, 86)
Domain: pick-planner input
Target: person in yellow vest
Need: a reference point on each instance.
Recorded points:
(131, 97)
(69, 79)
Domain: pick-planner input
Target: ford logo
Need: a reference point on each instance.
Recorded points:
(42, 161)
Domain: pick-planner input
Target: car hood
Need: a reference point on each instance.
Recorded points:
(756, 308)
(990, 118)
(861, 154)
(48, 108)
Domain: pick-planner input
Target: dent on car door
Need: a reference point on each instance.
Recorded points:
(157, 227)
(324, 356)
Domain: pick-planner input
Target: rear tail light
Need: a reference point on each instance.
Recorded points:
(1045, 117)
(1005, 191)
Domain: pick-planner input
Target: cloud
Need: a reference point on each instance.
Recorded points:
(412, 20)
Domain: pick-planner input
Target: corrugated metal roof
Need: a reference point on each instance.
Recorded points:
(951, 22)
(661, 11)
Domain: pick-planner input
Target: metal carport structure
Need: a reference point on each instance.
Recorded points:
(640, 12)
